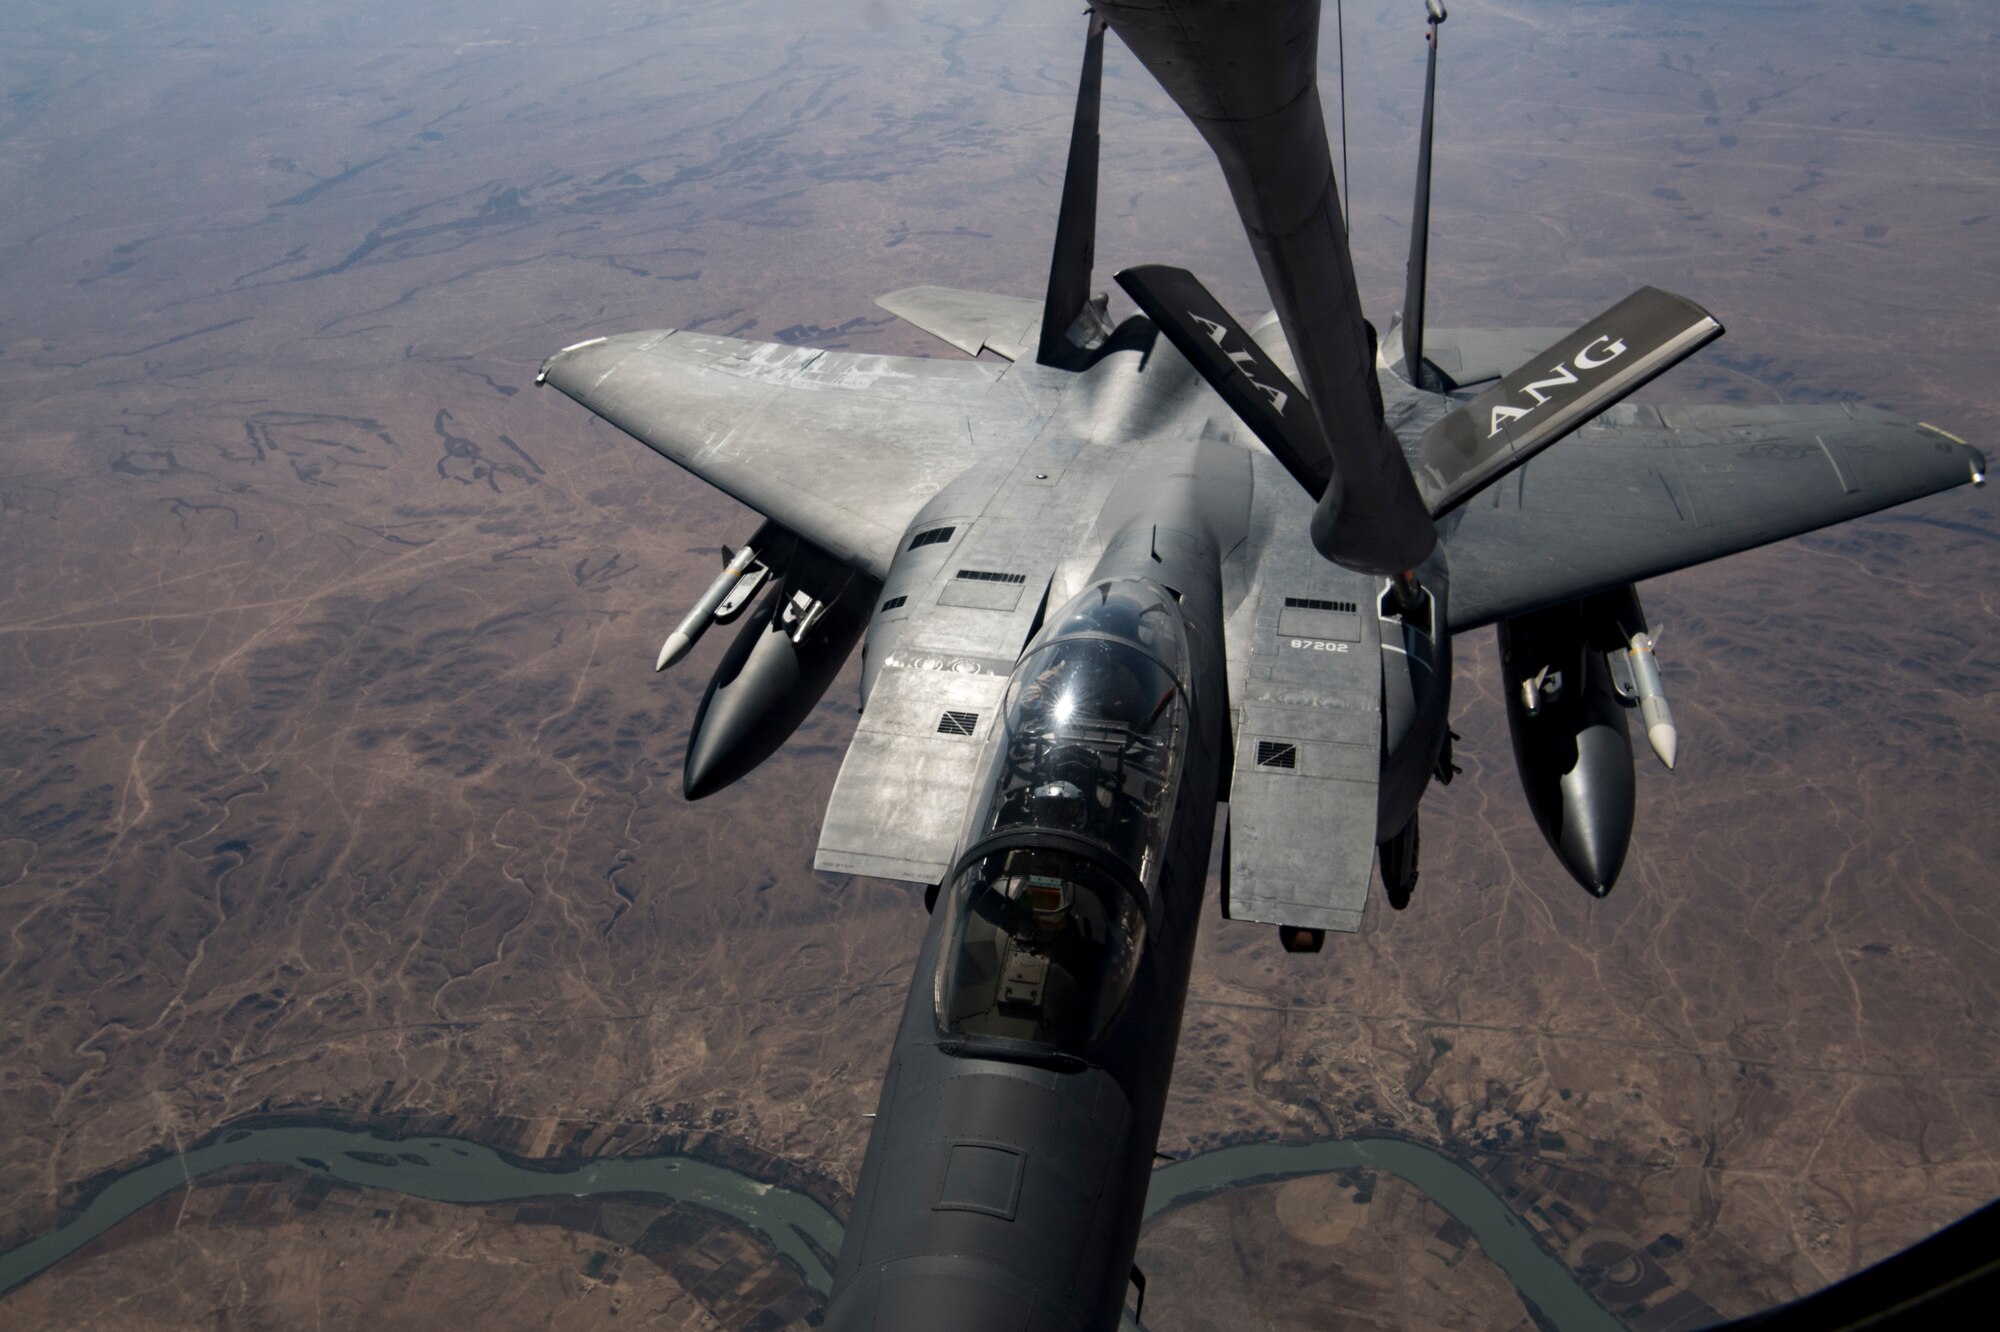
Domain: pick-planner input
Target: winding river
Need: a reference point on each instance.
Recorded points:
(456, 1171)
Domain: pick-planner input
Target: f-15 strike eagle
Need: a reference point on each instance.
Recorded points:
(1140, 569)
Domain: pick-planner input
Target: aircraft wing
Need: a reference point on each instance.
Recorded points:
(840, 448)
(1645, 491)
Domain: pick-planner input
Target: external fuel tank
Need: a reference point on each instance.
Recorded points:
(1572, 744)
(777, 668)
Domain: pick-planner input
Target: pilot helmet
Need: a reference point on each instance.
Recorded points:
(1050, 899)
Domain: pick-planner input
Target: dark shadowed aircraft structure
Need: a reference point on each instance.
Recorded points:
(1133, 571)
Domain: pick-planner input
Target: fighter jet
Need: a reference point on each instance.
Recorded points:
(1130, 572)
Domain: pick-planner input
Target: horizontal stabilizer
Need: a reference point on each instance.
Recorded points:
(1261, 394)
(970, 320)
(1552, 394)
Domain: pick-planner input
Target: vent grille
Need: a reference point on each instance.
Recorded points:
(958, 723)
(1277, 754)
(1318, 603)
(991, 576)
(932, 537)
(893, 602)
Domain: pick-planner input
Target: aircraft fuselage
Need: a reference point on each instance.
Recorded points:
(1006, 1178)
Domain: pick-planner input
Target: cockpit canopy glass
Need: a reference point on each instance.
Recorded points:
(1092, 729)
(1139, 612)
(1041, 946)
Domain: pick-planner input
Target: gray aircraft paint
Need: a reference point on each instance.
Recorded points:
(1323, 685)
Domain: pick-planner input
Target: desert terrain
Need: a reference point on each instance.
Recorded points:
(334, 780)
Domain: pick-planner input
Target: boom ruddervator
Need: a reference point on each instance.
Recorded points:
(1047, 911)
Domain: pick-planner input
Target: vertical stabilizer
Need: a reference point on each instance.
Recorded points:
(1421, 372)
(1076, 223)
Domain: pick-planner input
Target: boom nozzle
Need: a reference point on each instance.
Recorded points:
(1247, 77)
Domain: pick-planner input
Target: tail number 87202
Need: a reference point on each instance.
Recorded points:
(1319, 645)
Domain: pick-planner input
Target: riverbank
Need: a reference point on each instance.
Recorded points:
(539, 1144)
(796, 1212)
(451, 1170)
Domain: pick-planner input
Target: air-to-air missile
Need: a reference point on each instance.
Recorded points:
(733, 587)
(1643, 667)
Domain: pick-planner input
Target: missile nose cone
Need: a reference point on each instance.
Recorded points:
(673, 649)
(1665, 741)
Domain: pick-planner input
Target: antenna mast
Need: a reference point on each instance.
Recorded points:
(1346, 180)
(1414, 365)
